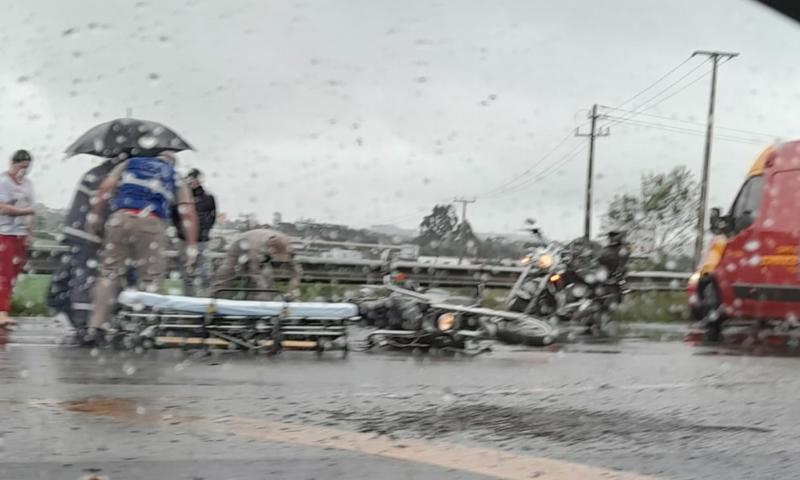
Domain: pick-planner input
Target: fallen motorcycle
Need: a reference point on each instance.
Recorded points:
(433, 320)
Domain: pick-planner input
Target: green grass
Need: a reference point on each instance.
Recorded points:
(29, 295)
(658, 307)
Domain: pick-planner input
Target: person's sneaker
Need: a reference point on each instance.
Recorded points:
(93, 338)
(82, 338)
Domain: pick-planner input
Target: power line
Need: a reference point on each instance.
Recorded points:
(670, 72)
(530, 180)
(592, 135)
(647, 103)
(677, 129)
(551, 169)
(691, 122)
(527, 171)
(520, 182)
(555, 168)
(509, 185)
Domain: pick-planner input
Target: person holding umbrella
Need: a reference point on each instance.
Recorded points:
(142, 191)
(16, 224)
(71, 286)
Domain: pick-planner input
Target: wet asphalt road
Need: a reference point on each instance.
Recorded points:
(662, 409)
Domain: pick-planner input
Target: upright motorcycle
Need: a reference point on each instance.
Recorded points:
(542, 259)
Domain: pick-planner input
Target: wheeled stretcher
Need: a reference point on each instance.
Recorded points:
(148, 320)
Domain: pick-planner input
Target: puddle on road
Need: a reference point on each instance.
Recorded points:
(107, 407)
(123, 409)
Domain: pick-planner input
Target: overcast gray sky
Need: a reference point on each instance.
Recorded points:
(370, 111)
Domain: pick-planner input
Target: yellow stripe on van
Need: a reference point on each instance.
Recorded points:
(758, 165)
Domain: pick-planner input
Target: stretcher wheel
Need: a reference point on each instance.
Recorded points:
(123, 341)
(117, 342)
(275, 349)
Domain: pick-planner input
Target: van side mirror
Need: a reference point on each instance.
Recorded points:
(716, 221)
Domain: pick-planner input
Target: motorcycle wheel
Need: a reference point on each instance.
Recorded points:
(545, 305)
(528, 331)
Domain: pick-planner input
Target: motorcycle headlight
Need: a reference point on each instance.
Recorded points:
(545, 261)
(446, 321)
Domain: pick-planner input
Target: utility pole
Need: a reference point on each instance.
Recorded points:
(464, 202)
(701, 209)
(129, 112)
(594, 133)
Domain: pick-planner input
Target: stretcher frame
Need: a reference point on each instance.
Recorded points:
(148, 328)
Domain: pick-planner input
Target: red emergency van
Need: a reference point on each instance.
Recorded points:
(749, 271)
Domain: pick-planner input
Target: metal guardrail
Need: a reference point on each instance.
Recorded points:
(45, 259)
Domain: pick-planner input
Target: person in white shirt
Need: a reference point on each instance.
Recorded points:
(16, 223)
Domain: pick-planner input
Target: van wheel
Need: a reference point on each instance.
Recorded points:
(712, 317)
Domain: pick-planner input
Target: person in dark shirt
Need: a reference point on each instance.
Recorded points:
(196, 281)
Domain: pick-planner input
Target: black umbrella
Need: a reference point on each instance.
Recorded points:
(128, 136)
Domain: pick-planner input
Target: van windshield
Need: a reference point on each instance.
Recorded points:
(745, 208)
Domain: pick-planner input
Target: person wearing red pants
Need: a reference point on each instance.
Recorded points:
(16, 221)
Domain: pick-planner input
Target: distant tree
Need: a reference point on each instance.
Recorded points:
(438, 229)
(466, 240)
(659, 220)
(497, 248)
